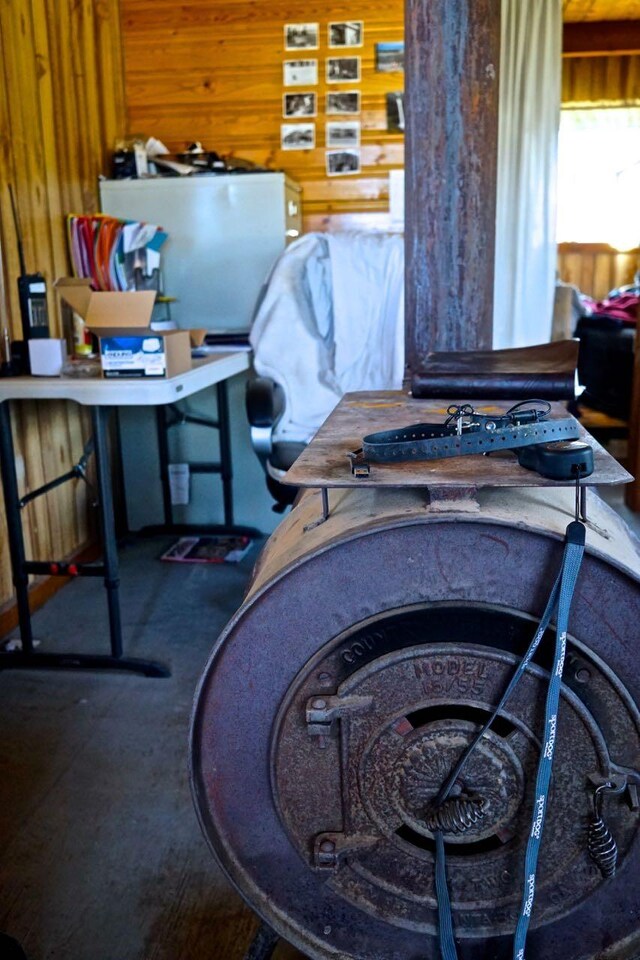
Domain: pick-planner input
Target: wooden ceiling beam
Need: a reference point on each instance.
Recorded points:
(601, 38)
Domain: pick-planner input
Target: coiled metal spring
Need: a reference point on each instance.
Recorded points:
(456, 814)
(603, 849)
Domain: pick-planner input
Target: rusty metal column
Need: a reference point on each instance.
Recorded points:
(452, 65)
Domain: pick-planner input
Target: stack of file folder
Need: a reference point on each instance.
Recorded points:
(113, 253)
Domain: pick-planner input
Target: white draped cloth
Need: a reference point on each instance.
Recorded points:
(331, 320)
(530, 88)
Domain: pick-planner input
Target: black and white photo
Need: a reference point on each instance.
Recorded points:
(390, 57)
(343, 69)
(299, 105)
(343, 133)
(301, 36)
(342, 162)
(297, 136)
(346, 34)
(343, 101)
(300, 73)
(395, 112)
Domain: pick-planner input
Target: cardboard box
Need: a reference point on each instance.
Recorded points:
(121, 321)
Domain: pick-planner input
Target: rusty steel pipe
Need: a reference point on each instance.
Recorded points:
(368, 651)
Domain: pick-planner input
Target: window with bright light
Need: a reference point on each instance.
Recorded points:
(599, 177)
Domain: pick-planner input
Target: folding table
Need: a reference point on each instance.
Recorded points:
(101, 396)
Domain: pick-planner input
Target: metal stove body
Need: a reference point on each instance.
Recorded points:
(367, 654)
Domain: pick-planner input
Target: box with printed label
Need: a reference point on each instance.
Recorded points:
(121, 321)
(143, 356)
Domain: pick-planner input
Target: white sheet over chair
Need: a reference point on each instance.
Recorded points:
(291, 338)
(367, 271)
(331, 320)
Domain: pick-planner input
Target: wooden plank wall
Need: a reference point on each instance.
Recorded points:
(605, 81)
(596, 268)
(595, 10)
(61, 106)
(212, 71)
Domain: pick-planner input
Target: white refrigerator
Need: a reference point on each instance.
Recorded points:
(225, 232)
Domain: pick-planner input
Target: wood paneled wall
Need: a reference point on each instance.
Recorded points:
(61, 106)
(606, 81)
(594, 10)
(211, 70)
(596, 268)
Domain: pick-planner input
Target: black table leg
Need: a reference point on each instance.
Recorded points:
(14, 528)
(164, 458)
(100, 418)
(28, 658)
(226, 469)
(223, 467)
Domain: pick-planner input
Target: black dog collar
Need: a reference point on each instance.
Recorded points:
(467, 432)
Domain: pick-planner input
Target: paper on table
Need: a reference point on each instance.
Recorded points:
(136, 235)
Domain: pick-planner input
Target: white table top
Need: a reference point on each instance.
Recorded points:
(96, 392)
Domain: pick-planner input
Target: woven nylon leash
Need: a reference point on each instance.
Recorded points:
(560, 598)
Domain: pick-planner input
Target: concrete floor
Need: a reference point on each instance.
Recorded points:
(101, 857)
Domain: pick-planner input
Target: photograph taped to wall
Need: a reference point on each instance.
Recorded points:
(297, 136)
(346, 34)
(343, 133)
(299, 105)
(390, 57)
(341, 163)
(343, 101)
(301, 36)
(300, 73)
(343, 69)
(395, 112)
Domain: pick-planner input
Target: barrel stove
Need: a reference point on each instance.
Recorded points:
(367, 653)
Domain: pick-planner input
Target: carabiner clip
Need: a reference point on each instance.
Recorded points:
(458, 414)
(580, 509)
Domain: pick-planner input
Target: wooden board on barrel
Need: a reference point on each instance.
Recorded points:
(325, 461)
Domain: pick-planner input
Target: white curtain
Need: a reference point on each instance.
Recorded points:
(530, 81)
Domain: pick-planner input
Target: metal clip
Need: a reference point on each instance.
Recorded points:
(323, 710)
(329, 848)
(458, 413)
(359, 466)
(581, 498)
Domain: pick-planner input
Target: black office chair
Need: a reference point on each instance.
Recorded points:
(265, 406)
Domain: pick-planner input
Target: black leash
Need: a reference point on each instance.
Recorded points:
(560, 599)
(541, 445)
